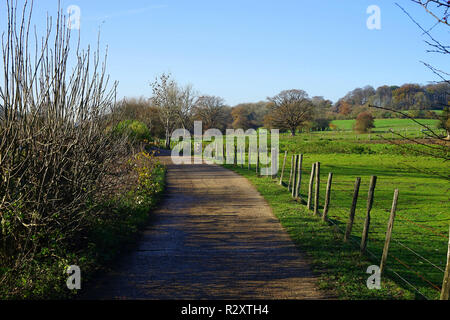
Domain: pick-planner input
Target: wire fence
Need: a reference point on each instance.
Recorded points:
(334, 217)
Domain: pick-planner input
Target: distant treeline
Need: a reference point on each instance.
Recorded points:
(418, 101)
(413, 97)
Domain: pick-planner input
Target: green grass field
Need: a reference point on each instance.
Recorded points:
(418, 251)
(422, 219)
(342, 270)
(384, 125)
(382, 132)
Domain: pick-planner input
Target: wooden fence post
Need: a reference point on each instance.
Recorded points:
(294, 175)
(351, 219)
(311, 185)
(290, 176)
(365, 234)
(284, 167)
(299, 177)
(242, 157)
(317, 192)
(445, 293)
(235, 155)
(389, 232)
(249, 158)
(327, 197)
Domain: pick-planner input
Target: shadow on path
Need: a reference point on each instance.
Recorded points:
(213, 237)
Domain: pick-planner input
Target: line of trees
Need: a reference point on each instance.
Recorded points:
(418, 99)
(174, 106)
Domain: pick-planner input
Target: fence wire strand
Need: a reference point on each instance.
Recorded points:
(339, 187)
(423, 258)
(415, 272)
(434, 231)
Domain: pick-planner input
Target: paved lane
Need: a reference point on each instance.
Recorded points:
(213, 237)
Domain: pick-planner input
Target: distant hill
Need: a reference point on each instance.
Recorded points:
(406, 97)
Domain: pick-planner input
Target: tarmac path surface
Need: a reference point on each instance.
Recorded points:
(212, 237)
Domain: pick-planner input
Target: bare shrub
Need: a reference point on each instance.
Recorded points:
(54, 142)
(364, 122)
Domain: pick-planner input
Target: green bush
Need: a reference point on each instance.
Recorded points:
(136, 130)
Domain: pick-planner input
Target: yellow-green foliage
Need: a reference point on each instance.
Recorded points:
(113, 223)
(136, 130)
(147, 167)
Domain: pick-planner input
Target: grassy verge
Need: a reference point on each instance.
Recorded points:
(342, 268)
(111, 231)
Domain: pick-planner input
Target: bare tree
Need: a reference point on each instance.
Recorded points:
(289, 110)
(439, 10)
(187, 100)
(212, 111)
(436, 145)
(175, 104)
(166, 99)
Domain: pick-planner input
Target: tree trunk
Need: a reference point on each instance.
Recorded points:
(167, 139)
(293, 132)
(168, 143)
(167, 134)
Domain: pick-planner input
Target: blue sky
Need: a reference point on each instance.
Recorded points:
(245, 51)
